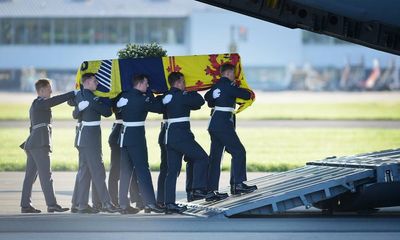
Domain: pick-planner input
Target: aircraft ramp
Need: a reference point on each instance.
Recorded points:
(307, 186)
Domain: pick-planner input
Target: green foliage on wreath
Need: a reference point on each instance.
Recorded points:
(142, 50)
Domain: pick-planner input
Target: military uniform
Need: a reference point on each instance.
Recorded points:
(113, 177)
(133, 145)
(88, 142)
(163, 164)
(74, 201)
(223, 96)
(37, 148)
(180, 141)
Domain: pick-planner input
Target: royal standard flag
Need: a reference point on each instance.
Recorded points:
(201, 72)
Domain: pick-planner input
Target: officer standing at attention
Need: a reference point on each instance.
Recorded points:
(134, 105)
(76, 114)
(38, 147)
(223, 96)
(180, 141)
(113, 177)
(89, 144)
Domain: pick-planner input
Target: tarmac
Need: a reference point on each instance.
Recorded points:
(297, 224)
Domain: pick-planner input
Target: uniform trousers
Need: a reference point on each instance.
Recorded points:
(134, 158)
(38, 162)
(92, 168)
(195, 153)
(230, 141)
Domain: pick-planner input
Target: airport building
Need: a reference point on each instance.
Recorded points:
(52, 37)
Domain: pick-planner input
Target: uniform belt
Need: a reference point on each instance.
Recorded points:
(91, 124)
(118, 121)
(221, 109)
(128, 124)
(85, 124)
(174, 120)
(39, 125)
(224, 109)
(133, 124)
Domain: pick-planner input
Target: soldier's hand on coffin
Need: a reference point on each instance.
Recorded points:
(122, 102)
(82, 105)
(72, 102)
(252, 94)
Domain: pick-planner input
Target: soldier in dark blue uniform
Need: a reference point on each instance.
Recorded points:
(163, 164)
(38, 147)
(180, 142)
(113, 177)
(89, 144)
(95, 199)
(134, 105)
(223, 96)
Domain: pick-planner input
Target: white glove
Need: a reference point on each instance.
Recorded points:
(82, 105)
(122, 102)
(216, 93)
(167, 99)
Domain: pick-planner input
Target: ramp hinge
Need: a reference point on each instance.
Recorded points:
(305, 202)
(349, 186)
(327, 193)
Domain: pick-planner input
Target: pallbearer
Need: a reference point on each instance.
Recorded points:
(89, 144)
(135, 104)
(223, 96)
(180, 142)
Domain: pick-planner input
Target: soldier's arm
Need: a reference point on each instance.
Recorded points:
(194, 100)
(101, 108)
(209, 98)
(54, 101)
(240, 92)
(154, 104)
(76, 113)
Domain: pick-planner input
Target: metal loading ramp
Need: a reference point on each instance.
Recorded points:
(305, 186)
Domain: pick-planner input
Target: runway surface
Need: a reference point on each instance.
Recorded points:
(298, 224)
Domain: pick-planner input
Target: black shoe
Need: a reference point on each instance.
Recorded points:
(189, 196)
(30, 209)
(129, 210)
(97, 206)
(153, 208)
(109, 207)
(242, 188)
(174, 208)
(215, 196)
(161, 205)
(140, 205)
(199, 194)
(74, 209)
(88, 210)
(56, 208)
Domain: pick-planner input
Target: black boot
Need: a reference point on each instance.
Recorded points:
(88, 210)
(189, 196)
(30, 209)
(215, 196)
(129, 210)
(153, 208)
(199, 194)
(56, 208)
(242, 188)
(109, 207)
(171, 208)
